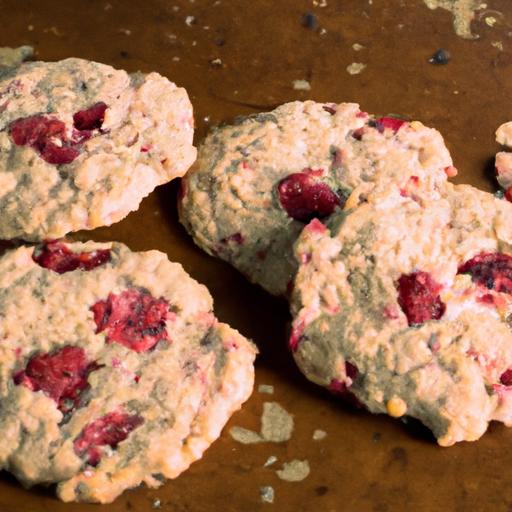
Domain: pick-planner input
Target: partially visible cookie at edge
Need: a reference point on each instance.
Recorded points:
(12, 57)
(258, 181)
(113, 369)
(407, 310)
(81, 144)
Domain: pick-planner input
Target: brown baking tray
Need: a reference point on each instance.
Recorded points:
(366, 463)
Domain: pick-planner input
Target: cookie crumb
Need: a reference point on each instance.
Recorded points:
(318, 435)
(276, 423)
(301, 85)
(190, 20)
(271, 460)
(497, 44)
(490, 21)
(294, 471)
(267, 494)
(244, 435)
(357, 47)
(266, 388)
(216, 63)
(157, 503)
(356, 68)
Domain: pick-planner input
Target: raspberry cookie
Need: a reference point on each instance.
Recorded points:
(81, 144)
(113, 369)
(259, 181)
(407, 310)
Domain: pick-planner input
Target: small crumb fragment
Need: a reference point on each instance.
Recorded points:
(190, 20)
(294, 471)
(490, 21)
(216, 63)
(30, 28)
(266, 388)
(318, 435)
(10, 57)
(175, 59)
(157, 503)
(441, 56)
(271, 460)
(276, 423)
(323, 31)
(301, 85)
(396, 407)
(357, 47)
(267, 494)
(320, 3)
(498, 44)
(125, 31)
(309, 21)
(244, 435)
(355, 68)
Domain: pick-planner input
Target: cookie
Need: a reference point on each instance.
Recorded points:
(504, 159)
(113, 369)
(259, 181)
(81, 144)
(407, 310)
(12, 57)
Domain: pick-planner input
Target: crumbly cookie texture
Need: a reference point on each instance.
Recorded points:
(11, 57)
(504, 159)
(113, 369)
(259, 181)
(407, 310)
(81, 144)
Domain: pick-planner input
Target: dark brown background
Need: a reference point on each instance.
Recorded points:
(366, 463)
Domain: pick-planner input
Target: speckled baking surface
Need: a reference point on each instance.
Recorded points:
(239, 57)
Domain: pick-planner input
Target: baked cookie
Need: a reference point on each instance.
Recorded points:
(81, 144)
(259, 181)
(11, 57)
(504, 159)
(408, 310)
(113, 369)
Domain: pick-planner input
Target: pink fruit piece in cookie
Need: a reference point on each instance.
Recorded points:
(418, 296)
(61, 375)
(133, 318)
(391, 123)
(47, 136)
(109, 430)
(90, 118)
(506, 377)
(56, 256)
(492, 270)
(304, 198)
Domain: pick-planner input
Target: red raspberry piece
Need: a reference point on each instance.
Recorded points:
(492, 270)
(61, 375)
(506, 377)
(304, 198)
(134, 318)
(109, 430)
(392, 123)
(508, 194)
(342, 389)
(90, 118)
(57, 257)
(418, 296)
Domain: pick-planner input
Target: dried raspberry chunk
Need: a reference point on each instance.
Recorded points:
(304, 198)
(492, 270)
(392, 123)
(134, 318)
(418, 296)
(57, 257)
(109, 430)
(90, 118)
(61, 375)
(506, 377)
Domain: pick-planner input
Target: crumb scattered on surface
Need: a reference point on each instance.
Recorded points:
(318, 435)
(267, 494)
(189, 20)
(463, 13)
(157, 503)
(271, 460)
(266, 388)
(355, 68)
(490, 21)
(244, 435)
(216, 63)
(498, 44)
(276, 423)
(301, 85)
(294, 471)
(357, 47)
